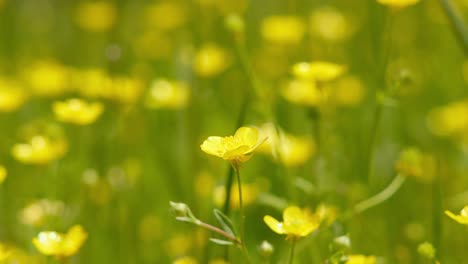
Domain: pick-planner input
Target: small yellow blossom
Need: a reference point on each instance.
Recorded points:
(462, 218)
(320, 71)
(449, 120)
(92, 83)
(413, 163)
(237, 148)
(96, 16)
(125, 90)
(3, 174)
(157, 15)
(398, 3)
(39, 150)
(185, 260)
(5, 252)
(330, 24)
(296, 223)
(167, 94)
(47, 78)
(12, 95)
(285, 30)
(210, 60)
(52, 243)
(347, 91)
(303, 92)
(361, 259)
(249, 195)
(77, 111)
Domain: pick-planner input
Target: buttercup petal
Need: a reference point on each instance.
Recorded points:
(213, 145)
(274, 224)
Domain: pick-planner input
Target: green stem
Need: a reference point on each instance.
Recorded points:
(457, 23)
(291, 255)
(218, 230)
(382, 196)
(235, 165)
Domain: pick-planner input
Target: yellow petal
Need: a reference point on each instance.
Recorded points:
(74, 239)
(273, 224)
(213, 146)
(292, 214)
(459, 218)
(48, 243)
(237, 153)
(247, 135)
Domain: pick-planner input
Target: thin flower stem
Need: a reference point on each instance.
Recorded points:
(457, 23)
(219, 231)
(382, 196)
(291, 255)
(242, 212)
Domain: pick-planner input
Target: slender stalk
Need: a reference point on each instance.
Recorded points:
(382, 196)
(291, 255)
(219, 231)
(235, 165)
(457, 23)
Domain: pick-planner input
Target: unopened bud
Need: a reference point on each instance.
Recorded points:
(266, 249)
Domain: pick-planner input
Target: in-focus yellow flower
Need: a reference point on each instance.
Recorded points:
(157, 15)
(296, 223)
(330, 24)
(77, 111)
(249, 195)
(413, 163)
(96, 16)
(52, 243)
(185, 260)
(39, 150)
(3, 174)
(5, 252)
(398, 3)
(303, 92)
(210, 60)
(237, 148)
(462, 218)
(361, 259)
(320, 71)
(47, 78)
(167, 94)
(285, 30)
(12, 95)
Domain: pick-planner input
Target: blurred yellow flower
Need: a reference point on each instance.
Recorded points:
(12, 95)
(150, 228)
(77, 111)
(210, 60)
(361, 259)
(326, 213)
(125, 90)
(462, 218)
(237, 148)
(285, 30)
(185, 260)
(37, 213)
(47, 78)
(320, 71)
(168, 94)
(180, 244)
(296, 223)
(39, 150)
(96, 16)
(449, 120)
(250, 193)
(3, 174)
(413, 163)
(330, 24)
(347, 91)
(5, 252)
(92, 83)
(303, 92)
(398, 3)
(52, 243)
(157, 15)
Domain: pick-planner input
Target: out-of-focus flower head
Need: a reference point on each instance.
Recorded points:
(326, 213)
(47, 78)
(237, 148)
(93, 83)
(125, 90)
(39, 212)
(180, 244)
(347, 91)
(296, 223)
(250, 193)
(330, 24)
(398, 3)
(96, 16)
(12, 95)
(77, 111)
(3, 173)
(5, 252)
(166, 15)
(412, 162)
(99, 190)
(304, 92)
(143, 46)
(211, 60)
(450, 120)
(51, 243)
(150, 228)
(39, 150)
(283, 30)
(361, 259)
(320, 71)
(461, 218)
(168, 94)
(185, 260)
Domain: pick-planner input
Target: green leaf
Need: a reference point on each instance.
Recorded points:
(222, 242)
(225, 222)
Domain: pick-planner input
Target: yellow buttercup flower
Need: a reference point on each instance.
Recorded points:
(330, 24)
(303, 92)
(52, 243)
(449, 120)
(321, 71)
(77, 111)
(37, 213)
(96, 16)
(92, 83)
(210, 60)
(5, 252)
(237, 148)
(125, 90)
(39, 150)
(462, 218)
(285, 30)
(47, 78)
(398, 3)
(157, 15)
(361, 259)
(296, 223)
(167, 94)
(3, 174)
(347, 91)
(12, 95)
